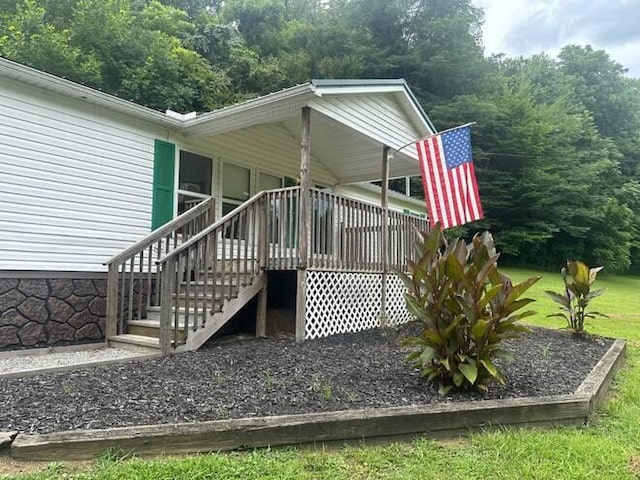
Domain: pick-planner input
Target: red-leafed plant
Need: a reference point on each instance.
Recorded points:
(465, 307)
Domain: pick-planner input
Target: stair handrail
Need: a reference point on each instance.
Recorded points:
(178, 222)
(221, 221)
(118, 276)
(189, 266)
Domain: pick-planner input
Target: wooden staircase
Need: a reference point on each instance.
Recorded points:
(213, 304)
(179, 286)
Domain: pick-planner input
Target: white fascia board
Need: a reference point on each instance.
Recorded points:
(251, 112)
(360, 89)
(49, 82)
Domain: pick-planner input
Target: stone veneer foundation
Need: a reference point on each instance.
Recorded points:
(38, 312)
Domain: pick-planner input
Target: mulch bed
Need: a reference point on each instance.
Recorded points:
(275, 376)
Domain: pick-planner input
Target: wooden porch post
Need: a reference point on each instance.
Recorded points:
(261, 311)
(112, 302)
(384, 233)
(304, 224)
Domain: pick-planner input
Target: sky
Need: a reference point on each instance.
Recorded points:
(526, 27)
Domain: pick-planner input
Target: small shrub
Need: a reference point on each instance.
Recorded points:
(578, 279)
(465, 308)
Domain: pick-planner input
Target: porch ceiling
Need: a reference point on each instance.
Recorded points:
(351, 121)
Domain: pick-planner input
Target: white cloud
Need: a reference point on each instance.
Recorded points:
(526, 27)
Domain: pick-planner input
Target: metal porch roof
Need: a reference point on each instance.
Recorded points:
(351, 121)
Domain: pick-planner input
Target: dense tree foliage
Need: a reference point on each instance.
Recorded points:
(557, 141)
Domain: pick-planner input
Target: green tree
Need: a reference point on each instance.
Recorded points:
(25, 37)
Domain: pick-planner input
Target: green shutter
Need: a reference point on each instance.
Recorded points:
(163, 183)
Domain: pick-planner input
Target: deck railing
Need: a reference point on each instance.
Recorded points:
(345, 234)
(134, 282)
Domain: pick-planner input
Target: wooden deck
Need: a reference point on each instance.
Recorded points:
(181, 284)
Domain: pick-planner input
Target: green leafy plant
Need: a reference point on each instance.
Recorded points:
(465, 308)
(578, 279)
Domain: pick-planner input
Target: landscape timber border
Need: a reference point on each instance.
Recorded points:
(445, 420)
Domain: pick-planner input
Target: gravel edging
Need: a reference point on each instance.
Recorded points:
(275, 376)
(21, 366)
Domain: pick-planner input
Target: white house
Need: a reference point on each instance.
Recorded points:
(85, 175)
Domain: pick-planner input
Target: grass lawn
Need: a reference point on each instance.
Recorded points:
(609, 449)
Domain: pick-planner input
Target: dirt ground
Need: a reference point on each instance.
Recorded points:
(12, 466)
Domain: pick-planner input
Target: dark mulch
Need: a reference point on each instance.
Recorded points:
(273, 377)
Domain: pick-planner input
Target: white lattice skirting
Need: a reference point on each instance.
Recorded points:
(341, 302)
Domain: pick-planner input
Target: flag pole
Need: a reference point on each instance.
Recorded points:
(392, 153)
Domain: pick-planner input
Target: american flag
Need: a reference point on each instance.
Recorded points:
(449, 179)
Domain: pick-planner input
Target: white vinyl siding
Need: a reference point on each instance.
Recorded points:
(75, 183)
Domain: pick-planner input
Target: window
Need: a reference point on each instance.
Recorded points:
(194, 180)
(236, 182)
(269, 182)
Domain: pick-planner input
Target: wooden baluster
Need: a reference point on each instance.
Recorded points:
(131, 283)
(289, 228)
(149, 279)
(339, 251)
(254, 238)
(365, 245)
(263, 235)
(140, 284)
(294, 220)
(248, 232)
(223, 263)
(232, 242)
(158, 275)
(205, 286)
(181, 286)
(196, 285)
(240, 228)
(282, 226)
(168, 278)
(353, 234)
(214, 270)
(322, 218)
(187, 286)
(123, 291)
(313, 234)
(271, 218)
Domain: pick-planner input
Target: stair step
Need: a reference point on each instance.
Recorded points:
(135, 343)
(151, 328)
(153, 313)
(229, 270)
(205, 293)
(218, 282)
